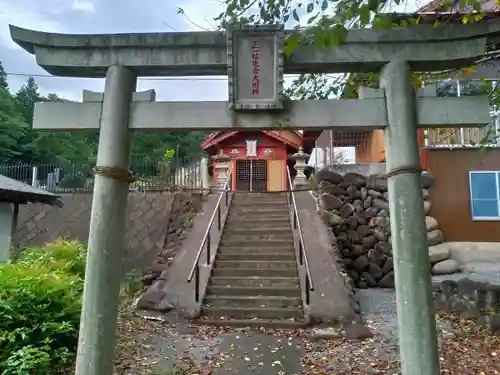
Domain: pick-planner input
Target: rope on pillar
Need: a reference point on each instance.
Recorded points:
(408, 169)
(116, 173)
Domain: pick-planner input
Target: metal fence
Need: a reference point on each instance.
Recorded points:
(153, 175)
(488, 135)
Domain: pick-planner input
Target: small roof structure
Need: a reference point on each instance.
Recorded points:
(215, 138)
(17, 192)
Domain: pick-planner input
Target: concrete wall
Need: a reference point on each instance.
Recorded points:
(153, 221)
(450, 195)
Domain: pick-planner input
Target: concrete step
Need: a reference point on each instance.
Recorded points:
(255, 322)
(238, 197)
(264, 229)
(287, 257)
(280, 248)
(284, 291)
(249, 313)
(252, 242)
(281, 205)
(259, 301)
(258, 222)
(254, 272)
(250, 237)
(256, 264)
(255, 281)
(256, 216)
(258, 208)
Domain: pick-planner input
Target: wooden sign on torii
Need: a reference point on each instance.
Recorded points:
(255, 87)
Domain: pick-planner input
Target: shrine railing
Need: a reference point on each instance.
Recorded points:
(302, 251)
(206, 242)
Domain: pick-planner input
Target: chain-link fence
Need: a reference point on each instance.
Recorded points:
(488, 136)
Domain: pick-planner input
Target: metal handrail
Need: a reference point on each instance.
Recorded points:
(303, 261)
(195, 269)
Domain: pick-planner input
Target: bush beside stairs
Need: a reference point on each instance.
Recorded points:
(255, 279)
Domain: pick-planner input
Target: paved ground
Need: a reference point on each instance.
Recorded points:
(379, 305)
(227, 351)
(243, 351)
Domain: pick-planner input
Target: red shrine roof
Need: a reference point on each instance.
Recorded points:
(216, 137)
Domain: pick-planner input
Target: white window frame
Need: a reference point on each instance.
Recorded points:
(497, 176)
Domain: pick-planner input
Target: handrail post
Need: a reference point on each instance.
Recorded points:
(197, 284)
(301, 254)
(195, 269)
(301, 248)
(208, 248)
(308, 291)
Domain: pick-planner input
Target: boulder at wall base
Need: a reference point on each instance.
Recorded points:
(427, 180)
(434, 237)
(330, 202)
(381, 204)
(431, 223)
(332, 219)
(387, 281)
(377, 183)
(354, 179)
(446, 267)
(425, 193)
(328, 187)
(327, 175)
(427, 207)
(438, 253)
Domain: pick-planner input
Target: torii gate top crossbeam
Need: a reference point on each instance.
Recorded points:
(205, 53)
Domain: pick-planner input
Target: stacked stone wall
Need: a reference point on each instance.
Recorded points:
(357, 210)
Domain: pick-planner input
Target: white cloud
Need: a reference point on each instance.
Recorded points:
(84, 6)
(21, 14)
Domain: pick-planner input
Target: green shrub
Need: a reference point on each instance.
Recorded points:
(40, 303)
(59, 255)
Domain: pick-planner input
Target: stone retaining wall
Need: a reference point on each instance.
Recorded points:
(356, 208)
(155, 223)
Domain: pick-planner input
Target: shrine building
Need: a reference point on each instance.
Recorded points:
(258, 160)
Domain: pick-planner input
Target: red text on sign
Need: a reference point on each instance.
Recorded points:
(255, 68)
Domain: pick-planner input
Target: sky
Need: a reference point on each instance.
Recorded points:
(108, 16)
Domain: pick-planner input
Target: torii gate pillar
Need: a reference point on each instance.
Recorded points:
(416, 320)
(107, 226)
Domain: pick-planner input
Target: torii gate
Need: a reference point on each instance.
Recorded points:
(253, 59)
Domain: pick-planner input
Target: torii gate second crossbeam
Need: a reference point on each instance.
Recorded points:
(253, 59)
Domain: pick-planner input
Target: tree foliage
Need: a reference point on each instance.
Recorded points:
(326, 23)
(19, 143)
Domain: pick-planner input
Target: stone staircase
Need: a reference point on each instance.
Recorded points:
(254, 280)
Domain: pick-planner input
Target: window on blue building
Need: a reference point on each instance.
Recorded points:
(485, 195)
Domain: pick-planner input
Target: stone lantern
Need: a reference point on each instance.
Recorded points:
(221, 166)
(300, 158)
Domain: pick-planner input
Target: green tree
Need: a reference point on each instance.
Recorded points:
(326, 23)
(20, 143)
(152, 146)
(3, 77)
(12, 127)
(26, 98)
